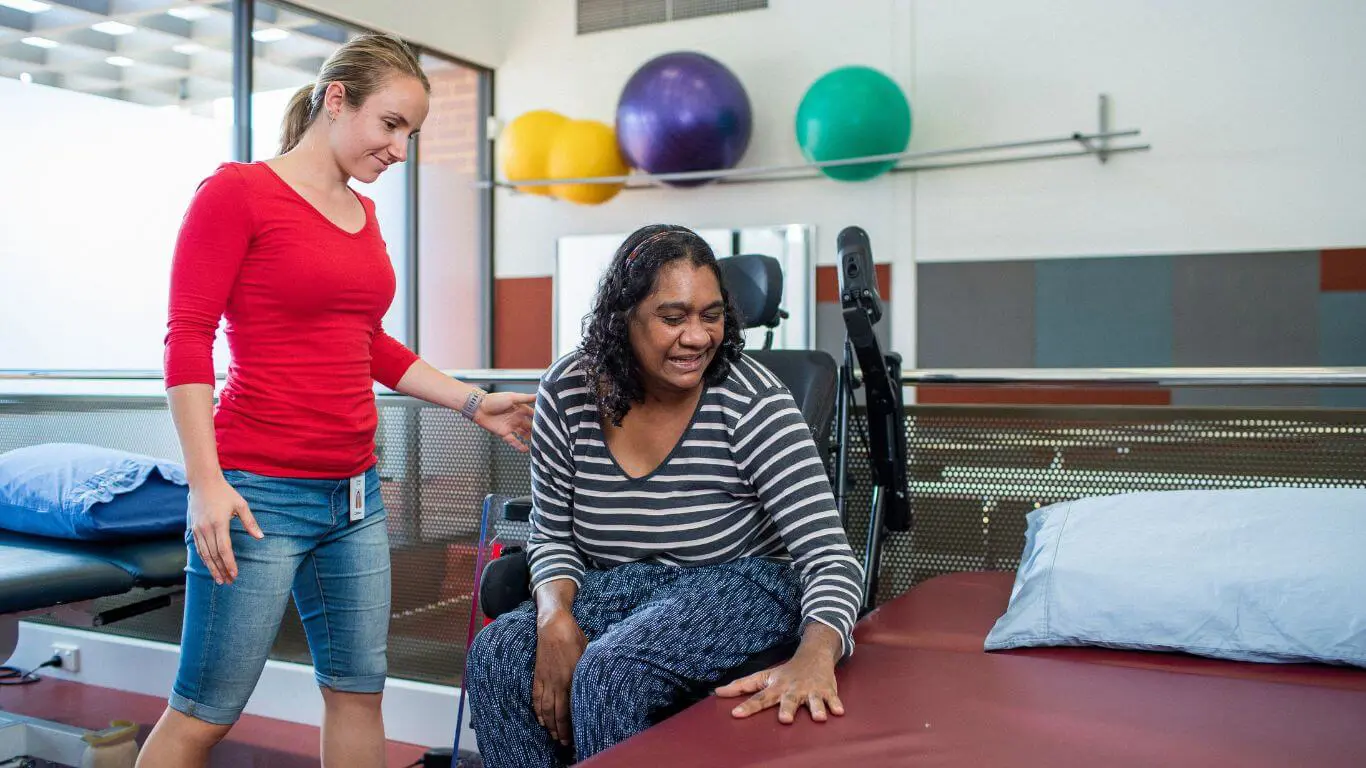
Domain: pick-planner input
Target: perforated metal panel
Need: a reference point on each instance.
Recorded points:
(603, 15)
(691, 9)
(975, 472)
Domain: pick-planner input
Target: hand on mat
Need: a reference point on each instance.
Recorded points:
(508, 415)
(212, 509)
(808, 680)
(559, 645)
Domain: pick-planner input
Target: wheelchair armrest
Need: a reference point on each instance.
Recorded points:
(518, 509)
(506, 584)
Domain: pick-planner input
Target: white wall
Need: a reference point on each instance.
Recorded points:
(467, 29)
(777, 53)
(1253, 107)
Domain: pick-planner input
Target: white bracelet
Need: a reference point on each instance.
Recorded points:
(472, 404)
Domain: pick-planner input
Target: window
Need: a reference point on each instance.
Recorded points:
(454, 273)
(122, 109)
(115, 118)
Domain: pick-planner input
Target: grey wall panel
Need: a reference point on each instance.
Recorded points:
(1112, 312)
(1246, 309)
(975, 315)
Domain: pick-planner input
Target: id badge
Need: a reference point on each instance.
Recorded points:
(357, 498)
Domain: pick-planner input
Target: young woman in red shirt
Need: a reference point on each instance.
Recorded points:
(284, 496)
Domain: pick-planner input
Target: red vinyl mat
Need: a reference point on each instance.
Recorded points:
(919, 691)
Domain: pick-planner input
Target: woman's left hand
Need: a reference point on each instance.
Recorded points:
(508, 415)
(808, 680)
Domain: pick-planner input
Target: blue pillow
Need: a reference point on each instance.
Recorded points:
(1269, 575)
(76, 491)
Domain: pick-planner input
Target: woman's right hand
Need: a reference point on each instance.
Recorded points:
(212, 508)
(559, 645)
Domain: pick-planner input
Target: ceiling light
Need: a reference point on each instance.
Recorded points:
(269, 35)
(189, 13)
(25, 77)
(119, 61)
(28, 6)
(40, 42)
(113, 28)
(187, 48)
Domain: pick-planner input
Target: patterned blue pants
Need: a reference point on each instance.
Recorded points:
(656, 634)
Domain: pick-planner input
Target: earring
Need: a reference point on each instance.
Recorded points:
(332, 116)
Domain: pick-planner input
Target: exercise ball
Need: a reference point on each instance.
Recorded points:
(585, 149)
(682, 112)
(524, 145)
(853, 112)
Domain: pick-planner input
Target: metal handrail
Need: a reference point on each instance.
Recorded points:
(146, 383)
(1095, 143)
(509, 375)
(1316, 376)
(1312, 376)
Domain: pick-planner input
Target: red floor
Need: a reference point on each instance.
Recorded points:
(255, 742)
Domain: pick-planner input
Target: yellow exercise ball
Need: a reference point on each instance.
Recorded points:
(525, 144)
(584, 149)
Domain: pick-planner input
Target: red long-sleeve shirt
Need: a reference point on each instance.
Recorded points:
(304, 300)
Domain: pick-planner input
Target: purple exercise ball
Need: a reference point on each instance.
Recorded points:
(683, 111)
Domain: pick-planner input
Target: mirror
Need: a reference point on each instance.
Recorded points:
(581, 259)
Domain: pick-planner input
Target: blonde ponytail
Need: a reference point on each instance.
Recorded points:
(298, 116)
(362, 65)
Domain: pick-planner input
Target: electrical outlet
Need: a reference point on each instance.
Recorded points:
(71, 656)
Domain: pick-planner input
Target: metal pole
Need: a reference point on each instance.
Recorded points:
(1104, 153)
(243, 19)
(412, 251)
(486, 265)
(1316, 376)
(843, 392)
(727, 174)
(872, 551)
(1308, 376)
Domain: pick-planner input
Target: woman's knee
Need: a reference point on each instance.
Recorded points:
(503, 650)
(605, 673)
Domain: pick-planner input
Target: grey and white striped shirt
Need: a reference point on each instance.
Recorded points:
(745, 480)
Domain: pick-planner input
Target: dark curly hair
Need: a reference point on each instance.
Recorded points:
(606, 352)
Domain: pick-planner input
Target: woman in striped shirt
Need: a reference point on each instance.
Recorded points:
(683, 522)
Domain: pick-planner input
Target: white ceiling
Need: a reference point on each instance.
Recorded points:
(168, 59)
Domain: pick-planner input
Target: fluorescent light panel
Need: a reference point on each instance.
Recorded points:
(120, 61)
(40, 42)
(113, 28)
(269, 35)
(28, 6)
(189, 13)
(187, 48)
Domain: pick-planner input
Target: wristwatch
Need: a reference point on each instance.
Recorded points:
(472, 403)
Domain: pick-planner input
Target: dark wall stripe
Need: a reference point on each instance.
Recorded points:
(1342, 270)
(522, 322)
(828, 283)
(945, 395)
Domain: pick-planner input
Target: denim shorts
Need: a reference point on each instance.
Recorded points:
(337, 571)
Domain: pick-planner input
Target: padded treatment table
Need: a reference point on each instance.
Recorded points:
(39, 575)
(920, 690)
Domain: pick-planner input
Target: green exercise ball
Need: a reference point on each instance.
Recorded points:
(853, 112)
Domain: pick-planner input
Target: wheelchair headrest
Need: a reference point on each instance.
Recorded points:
(755, 283)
